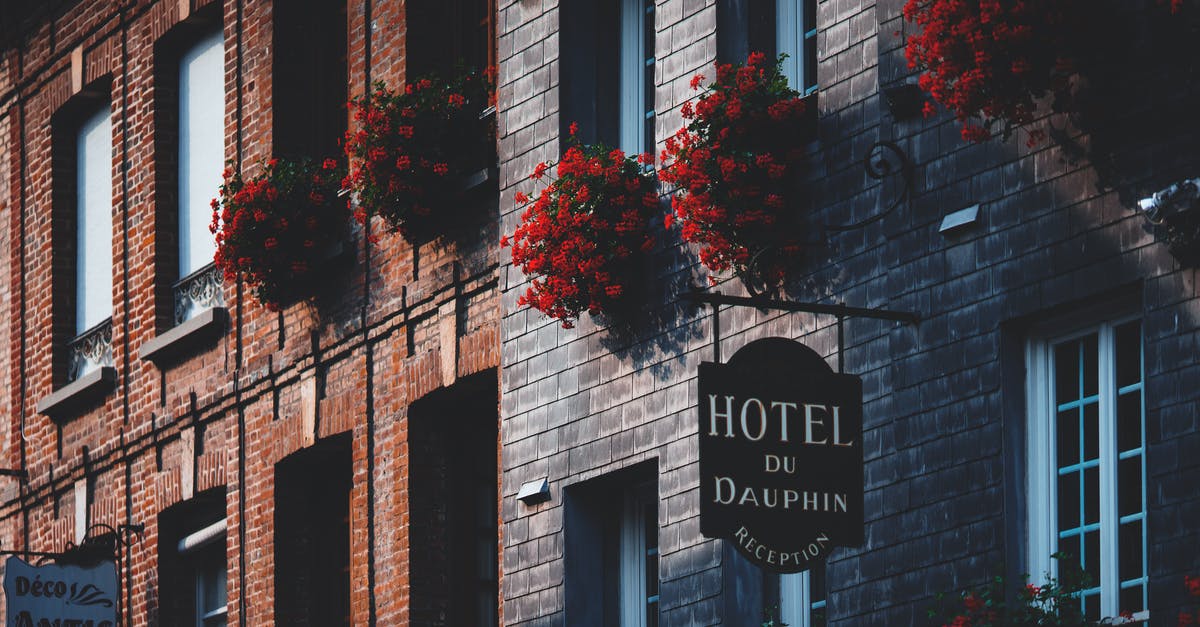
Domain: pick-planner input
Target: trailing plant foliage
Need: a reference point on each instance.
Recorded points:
(989, 62)
(411, 148)
(582, 236)
(1054, 604)
(274, 230)
(736, 165)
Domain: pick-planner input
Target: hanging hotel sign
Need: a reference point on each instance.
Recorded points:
(60, 595)
(781, 457)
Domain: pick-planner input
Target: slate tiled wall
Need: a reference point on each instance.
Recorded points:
(944, 408)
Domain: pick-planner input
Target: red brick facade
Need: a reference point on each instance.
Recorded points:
(399, 323)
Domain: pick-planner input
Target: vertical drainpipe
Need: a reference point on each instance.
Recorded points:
(127, 600)
(20, 244)
(237, 390)
(370, 353)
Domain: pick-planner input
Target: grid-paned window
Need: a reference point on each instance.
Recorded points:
(637, 76)
(201, 147)
(1087, 462)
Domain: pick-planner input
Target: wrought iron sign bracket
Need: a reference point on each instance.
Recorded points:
(716, 299)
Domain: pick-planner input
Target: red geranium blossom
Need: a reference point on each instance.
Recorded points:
(580, 238)
(735, 165)
(274, 228)
(411, 148)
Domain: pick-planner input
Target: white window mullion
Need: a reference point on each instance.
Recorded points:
(1110, 580)
(1040, 447)
(795, 599)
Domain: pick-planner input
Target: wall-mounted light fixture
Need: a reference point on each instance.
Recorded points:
(534, 492)
(1174, 217)
(959, 220)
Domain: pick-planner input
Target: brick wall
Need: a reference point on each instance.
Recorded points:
(944, 398)
(401, 321)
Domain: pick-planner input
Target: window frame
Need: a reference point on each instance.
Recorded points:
(186, 150)
(1042, 470)
(638, 504)
(797, 600)
(797, 38)
(637, 113)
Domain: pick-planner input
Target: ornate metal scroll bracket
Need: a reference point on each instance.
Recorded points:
(883, 161)
(197, 292)
(90, 350)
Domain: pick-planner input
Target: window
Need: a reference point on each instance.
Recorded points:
(201, 155)
(611, 550)
(93, 244)
(453, 476)
(639, 558)
(445, 34)
(607, 85)
(192, 569)
(780, 27)
(796, 36)
(309, 78)
(312, 535)
(1086, 455)
(802, 598)
(637, 76)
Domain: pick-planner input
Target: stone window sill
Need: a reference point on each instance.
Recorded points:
(181, 341)
(78, 395)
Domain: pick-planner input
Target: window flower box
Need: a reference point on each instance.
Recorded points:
(414, 151)
(278, 230)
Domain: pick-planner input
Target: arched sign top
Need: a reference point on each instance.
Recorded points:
(779, 350)
(781, 459)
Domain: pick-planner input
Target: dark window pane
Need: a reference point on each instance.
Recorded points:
(1066, 372)
(816, 584)
(1091, 495)
(1129, 488)
(1130, 542)
(1129, 421)
(1091, 369)
(1068, 502)
(1068, 437)
(1132, 599)
(1069, 548)
(1129, 353)
(1091, 557)
(1091, 607)
(1091, 431)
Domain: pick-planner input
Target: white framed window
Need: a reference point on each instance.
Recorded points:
(201, 147)
(802, 598)
(204, 551)
(638, 584)
(1086, 458)
(796, 36)
(93, 225)
(636, 114)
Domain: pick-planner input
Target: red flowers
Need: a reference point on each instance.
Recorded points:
(411, 148)
(581, 236)
(988, 61)
(274, 228)
(736, 164)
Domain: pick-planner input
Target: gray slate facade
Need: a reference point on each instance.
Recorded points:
(945, 414)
